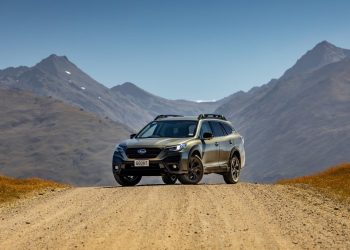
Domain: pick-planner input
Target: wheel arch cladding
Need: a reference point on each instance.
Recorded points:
(236, 153)
(194, 152)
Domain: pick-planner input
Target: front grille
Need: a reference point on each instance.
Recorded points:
(150, 153)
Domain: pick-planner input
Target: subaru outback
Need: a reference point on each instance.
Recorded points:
(180, 148)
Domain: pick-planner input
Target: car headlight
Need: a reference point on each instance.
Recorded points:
(120, 148)
(177, 147)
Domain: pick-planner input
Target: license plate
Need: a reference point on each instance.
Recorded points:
(141, 163)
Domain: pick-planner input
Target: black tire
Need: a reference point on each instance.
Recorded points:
(195, 171)
(169, 179)
(125, 180)
(232, 176)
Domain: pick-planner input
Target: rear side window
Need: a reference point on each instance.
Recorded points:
(217, 129)
(227, 127)
(205, 129)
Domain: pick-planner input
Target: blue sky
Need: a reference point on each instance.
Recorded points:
(198, 50)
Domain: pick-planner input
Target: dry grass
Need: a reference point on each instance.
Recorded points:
(11, 189)
(334, 181)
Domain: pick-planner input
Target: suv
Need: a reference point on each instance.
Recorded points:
(180, 148)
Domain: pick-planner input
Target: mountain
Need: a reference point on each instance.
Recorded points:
(44, 137)
(297, 124)
(322, 54)
(59, 78)
(56, 76)
(155, 105)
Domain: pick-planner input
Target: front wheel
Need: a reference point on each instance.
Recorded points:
(232, 176)
(125, 180)
(195, 171)
(169, 179)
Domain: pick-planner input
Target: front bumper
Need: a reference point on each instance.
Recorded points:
(164, 163)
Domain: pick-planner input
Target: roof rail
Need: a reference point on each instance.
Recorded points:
(165, 116)
(216, 116)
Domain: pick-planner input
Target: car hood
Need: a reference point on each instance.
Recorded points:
(154, 142)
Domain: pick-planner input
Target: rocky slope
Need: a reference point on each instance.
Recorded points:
(299, 123)
(44, 137)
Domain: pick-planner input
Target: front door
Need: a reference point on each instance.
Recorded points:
(220, 140)
(211, 149)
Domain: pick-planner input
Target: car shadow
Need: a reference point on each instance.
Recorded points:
(164, 185)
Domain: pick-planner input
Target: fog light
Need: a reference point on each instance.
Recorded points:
(116, 167)
(174, 166)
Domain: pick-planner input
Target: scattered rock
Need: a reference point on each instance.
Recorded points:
(27, 222)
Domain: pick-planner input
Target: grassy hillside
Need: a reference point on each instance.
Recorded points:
(12, 189)
(334, 181)
(46, 138)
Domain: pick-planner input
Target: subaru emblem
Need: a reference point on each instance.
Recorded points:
(141, 151)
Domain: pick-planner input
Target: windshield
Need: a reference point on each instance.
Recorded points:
(169, 129)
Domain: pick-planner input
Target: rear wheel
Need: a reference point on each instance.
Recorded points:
(232, 176)
(169, 179)
(195, 171)
(126, 180)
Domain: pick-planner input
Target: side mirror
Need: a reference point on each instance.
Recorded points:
(132, 136)
(207, 136)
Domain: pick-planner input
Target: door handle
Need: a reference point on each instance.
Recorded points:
(216, 144)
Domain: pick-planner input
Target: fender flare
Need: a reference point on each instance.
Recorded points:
(235, 150)
(195, 148)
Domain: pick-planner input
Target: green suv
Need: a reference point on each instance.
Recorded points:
(180, 148)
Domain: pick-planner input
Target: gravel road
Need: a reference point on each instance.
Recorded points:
(243, 216)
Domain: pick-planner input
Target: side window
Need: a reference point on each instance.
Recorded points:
(227, 127)
(205, 129)
(217, 129)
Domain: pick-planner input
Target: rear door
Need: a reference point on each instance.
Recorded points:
(227, 143)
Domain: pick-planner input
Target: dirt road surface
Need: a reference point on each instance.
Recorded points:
(242, 216)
